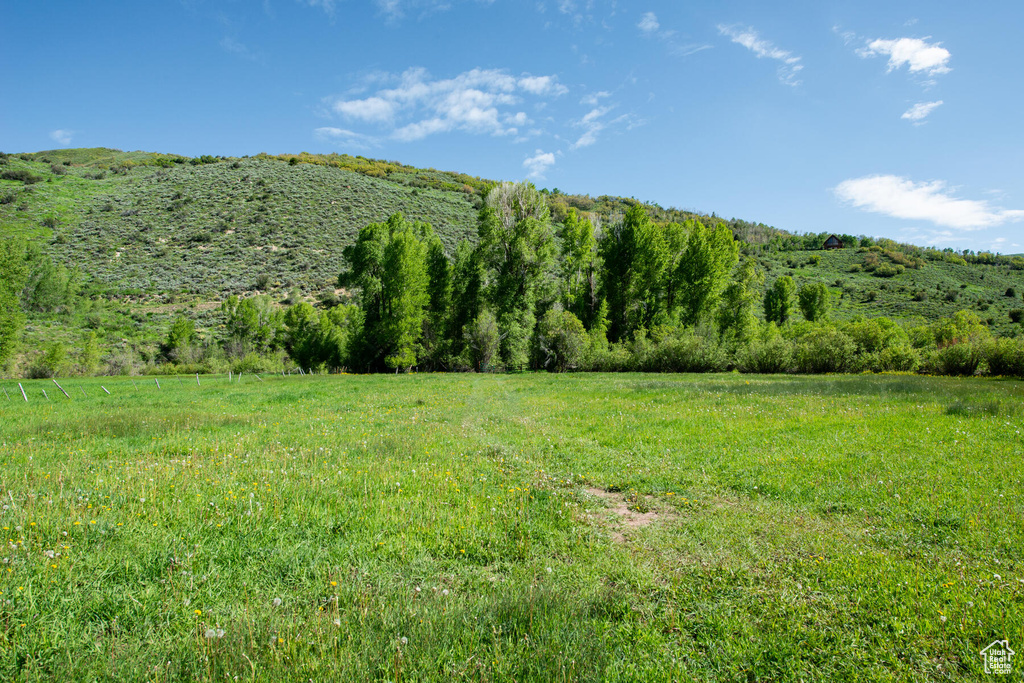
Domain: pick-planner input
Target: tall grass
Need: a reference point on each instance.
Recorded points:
(438, 527)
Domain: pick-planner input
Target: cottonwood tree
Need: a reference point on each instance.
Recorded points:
(703, 270)
(388, 263)
(634, 256)
(579, 276)
(815, 301)
(517, 249)
(12, 278)
(735, 315)
(778, 300)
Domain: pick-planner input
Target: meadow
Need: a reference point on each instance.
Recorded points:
(510, 527)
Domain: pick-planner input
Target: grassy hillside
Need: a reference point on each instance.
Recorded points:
(210, 229)
(150, 236)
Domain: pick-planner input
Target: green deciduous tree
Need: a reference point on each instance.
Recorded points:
(778, 300)
(815, 301)
(517, 249)
(703, 270)
(562, 340)
(735, 314)
(252, 325)
(579, 276)
(634, 256)
(12, 279)
(388, 263)
(89, 357)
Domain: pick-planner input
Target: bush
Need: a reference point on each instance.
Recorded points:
(561, 339)
(766, 356)
(58, 169)
(52, 363)
(960, 360)
(20, 174)
(1005, 357)
(682, 351)
(1017, 315)
(824, 349)
(898, 358)
(1011, 292)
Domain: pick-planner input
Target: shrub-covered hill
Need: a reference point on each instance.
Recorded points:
(151, 225)
(155, 229)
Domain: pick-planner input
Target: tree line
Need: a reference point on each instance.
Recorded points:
(575, 295)
(534, 293)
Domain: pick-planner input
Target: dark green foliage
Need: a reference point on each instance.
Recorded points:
(1005, 356)
(181, 340)
(50, 287)
(13, 271)
(1016, 315)
(579, 268)
(52, 363)
(20, 175)
(388, 266)
(778, 300)
(635, 255)
(959, 359)
(815, 301)
(824, 349)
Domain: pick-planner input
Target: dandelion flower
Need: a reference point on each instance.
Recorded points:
(277, 602)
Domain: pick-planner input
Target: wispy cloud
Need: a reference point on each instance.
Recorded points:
(920, 111)
(62, 136)
(790, 65)
(234, 47)
(592, 123)
(480, 101)
(919, 56)
(539, 163)
(650, 27)
(648, 23)
(343, 136)
(931, 201)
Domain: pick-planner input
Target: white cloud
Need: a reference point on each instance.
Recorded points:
(648, 23)
(479, 101)
(372, 109)
(592, 123)
(929, 201)
(343, 136)
(917, 55)
(540, 162)
(62, 136)
(748, 38)
(920, 111)
(593, 98)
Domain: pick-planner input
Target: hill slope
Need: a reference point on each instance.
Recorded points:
(154, 234)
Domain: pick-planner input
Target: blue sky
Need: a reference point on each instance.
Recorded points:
(900, 119)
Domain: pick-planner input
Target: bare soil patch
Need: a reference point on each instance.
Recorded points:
(628, 518)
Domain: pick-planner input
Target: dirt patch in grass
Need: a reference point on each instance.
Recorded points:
(632, 514)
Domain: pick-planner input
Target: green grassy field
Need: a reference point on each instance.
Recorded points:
(531, 527)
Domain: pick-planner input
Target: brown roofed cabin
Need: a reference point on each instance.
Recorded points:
(833, 242)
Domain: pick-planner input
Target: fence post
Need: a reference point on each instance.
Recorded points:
(157, 382)
(23, 392)
(104, 389)
(60, 387)
(197, 380)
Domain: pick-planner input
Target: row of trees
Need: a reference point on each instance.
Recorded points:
(636, 296)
